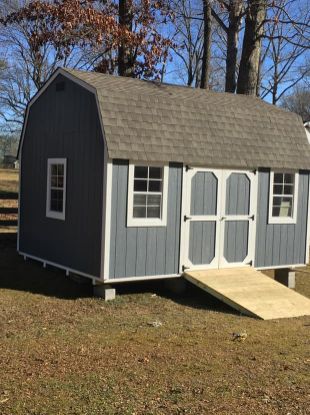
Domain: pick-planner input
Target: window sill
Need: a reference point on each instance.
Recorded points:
(145, 223)
(55, 215)
(284, 221)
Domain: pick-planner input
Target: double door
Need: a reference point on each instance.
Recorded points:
(218, 218)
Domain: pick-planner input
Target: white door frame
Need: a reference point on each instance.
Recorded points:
(219, 260)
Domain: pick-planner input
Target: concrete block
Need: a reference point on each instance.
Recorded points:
(285, 276)
(104, 291)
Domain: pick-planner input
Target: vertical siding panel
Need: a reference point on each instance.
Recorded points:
(160, 262)
(121, 208)
(141, 251)
(151, 252)
(171, 221)
(113, 219)
(131, 252)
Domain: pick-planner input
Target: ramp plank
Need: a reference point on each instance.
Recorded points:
(251, 292)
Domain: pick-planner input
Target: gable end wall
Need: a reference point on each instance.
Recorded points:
(63, 124)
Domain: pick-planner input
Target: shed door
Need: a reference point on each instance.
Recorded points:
(218, 220)
(237, 218)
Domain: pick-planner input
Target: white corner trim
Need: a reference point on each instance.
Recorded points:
(283, 220)
(107, 231)
(54, 264)
(50, 213)
(147, 222)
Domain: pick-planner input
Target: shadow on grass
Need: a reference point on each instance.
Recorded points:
(30, 276)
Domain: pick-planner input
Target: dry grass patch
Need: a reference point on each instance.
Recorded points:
(64, 352)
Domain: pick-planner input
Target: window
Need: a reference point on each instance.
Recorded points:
(56, 188)
(147, 195)
(283, 197)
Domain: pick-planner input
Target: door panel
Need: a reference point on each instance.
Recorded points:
(202, 242)
(204, 187)
(236, 241)
(237, 221)
(237, 194)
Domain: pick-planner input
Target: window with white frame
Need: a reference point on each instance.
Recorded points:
(56, 188)
(147, 195)
(283, 197)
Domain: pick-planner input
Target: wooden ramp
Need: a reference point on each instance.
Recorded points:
(251, 292)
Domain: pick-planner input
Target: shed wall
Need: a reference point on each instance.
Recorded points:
(144, 251)
(64, 124)
(281, 244)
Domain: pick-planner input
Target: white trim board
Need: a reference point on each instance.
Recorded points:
(144, 278)
(272, 267)
(56, 265)
(105, 246)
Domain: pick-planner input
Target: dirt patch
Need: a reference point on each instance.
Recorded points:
(64, 352)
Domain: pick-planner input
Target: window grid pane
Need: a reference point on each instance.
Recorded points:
(283, 195)
(147, 192)
(56, 187)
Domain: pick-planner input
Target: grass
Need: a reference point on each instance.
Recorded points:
(64, 352)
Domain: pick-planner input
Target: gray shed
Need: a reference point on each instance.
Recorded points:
(123, 179)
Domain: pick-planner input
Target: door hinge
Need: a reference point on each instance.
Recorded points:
(187, 167)
(184, 268)
(187, 218)
(250, 263)
(252, 217)
(254, 171)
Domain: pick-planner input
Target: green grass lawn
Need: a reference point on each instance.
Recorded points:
(64, 352)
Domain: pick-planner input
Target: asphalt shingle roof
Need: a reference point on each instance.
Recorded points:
(149, 121)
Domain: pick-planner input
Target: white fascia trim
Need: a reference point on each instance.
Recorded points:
(283, 220)
(108, 208)
(50, 213)
(147, 222)
(54, 264)
(146, 278)
(271, 267)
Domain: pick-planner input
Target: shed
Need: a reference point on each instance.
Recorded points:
(123, 179)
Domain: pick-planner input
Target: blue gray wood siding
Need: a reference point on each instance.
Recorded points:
(281, 244)
(144, 251)
(236, 240)
(64, 124)
(203, 194)
(202, 242)
(237, 194)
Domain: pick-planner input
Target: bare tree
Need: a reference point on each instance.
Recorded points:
(250, 58)
(282, 61)
(206, 56)
(299, 102)
(187, 39)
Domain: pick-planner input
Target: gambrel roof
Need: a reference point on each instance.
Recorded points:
(151, 121)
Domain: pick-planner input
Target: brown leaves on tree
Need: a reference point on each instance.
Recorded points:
(88, 24)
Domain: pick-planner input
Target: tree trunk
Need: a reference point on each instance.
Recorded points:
(205, 65)
(250, 58)
(235, 9)
(125, 64)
